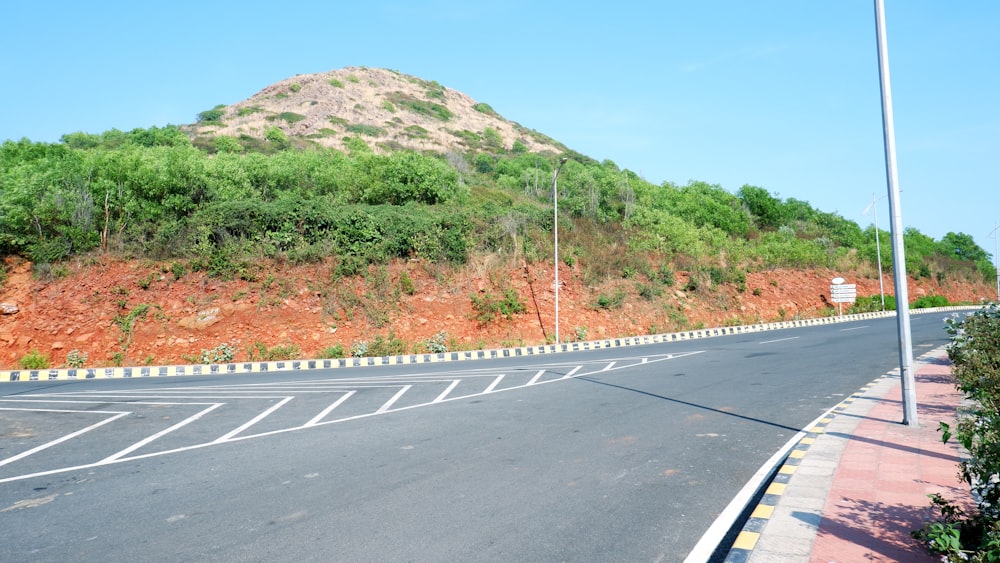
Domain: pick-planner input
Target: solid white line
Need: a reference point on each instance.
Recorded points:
(494, 384)
(535, 379)
(780, 340)
(606, 368)
(329, 409)
(103, 402)
(573, 371)
(62, 410)
(394, 398)
(141, 443)
(37, 449)
(718, 530)
(854, 328)
(253, 420)
(454, 384)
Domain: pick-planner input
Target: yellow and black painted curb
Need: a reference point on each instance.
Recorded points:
(746, 540)
(72, 374)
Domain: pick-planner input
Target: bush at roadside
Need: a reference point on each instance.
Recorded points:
(975, 355)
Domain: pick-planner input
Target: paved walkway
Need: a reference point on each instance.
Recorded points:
(855, 487)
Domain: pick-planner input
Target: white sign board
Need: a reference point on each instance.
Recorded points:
(843, 293)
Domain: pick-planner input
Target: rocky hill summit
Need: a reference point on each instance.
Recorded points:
(389, 109)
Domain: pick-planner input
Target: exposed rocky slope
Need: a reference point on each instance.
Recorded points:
(297, 307)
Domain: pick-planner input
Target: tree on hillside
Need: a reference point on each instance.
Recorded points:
(963, 247)
(768, 209)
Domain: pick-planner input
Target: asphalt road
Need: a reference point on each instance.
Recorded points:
(623, 454)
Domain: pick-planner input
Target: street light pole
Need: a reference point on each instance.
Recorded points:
(909, 393)
(996, 256)
(878, 248)
(555, 235)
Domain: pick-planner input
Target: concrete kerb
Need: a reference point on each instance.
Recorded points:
(71, 374)
(790, 510)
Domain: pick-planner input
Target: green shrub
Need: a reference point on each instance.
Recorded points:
(406, 284)
(665, 275)
(930, 301)
(389, 345)
(126, 323)
(260, 352)
(613, 301)
(872, 303)
(437, 344)
(332, 352)
(648, 292)
(421, 107)
(335, 83)
(288, 116)
(76, 359)
(485, 108)
(359, 349)
(367, 130)
(245, 111)
(488, 306)
(213, 115)
(221, 354)
(295, 87)
(975, 354)
(178, 270)
(34, 360)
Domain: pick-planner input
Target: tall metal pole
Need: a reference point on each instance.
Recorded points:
(996, 256)
(878, 248)
(878, 252)
(555, 235)
(909, 395)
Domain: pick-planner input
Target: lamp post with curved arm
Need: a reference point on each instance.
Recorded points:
(555, 235)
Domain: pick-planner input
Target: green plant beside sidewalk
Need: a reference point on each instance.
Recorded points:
(975, 355)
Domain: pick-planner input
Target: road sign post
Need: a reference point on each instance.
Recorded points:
(841, 293)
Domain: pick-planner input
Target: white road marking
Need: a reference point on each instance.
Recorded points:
(252, 421)
(70, 436)
(158, 435)
(494, 384)
(780, 340)
(537, 376)
(315, 420)
(388, 404)
(312, 388)
(853, 328)
(441, 397)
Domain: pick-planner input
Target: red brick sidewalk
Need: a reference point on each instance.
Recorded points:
(880, 487)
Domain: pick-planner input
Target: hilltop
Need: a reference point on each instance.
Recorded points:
(388, 109)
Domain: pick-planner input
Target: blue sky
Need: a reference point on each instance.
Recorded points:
(781, 94)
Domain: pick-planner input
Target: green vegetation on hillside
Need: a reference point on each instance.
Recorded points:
(221, 206)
